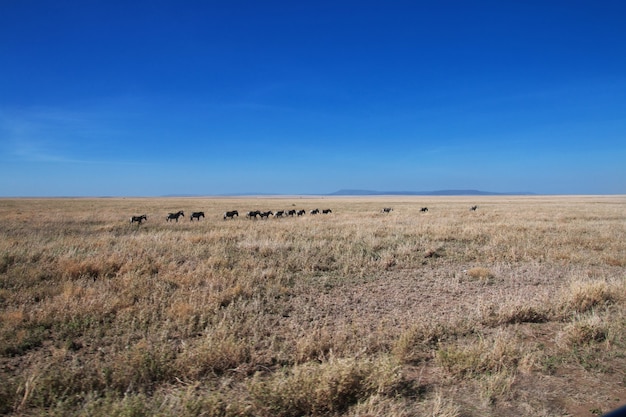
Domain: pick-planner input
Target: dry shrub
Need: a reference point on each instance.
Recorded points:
(314, 346)
(444, 407)
(480, 273)
(12, 318)
(583, 295)
(89, 268)
(514, 312)
(214, 354)
(418, 343)
(7, 260)
(382, 405)
(496, 386)
(435, 252)
(231, 294)
(58, 376)
(141, 367)
(497, 354)
(584, 330)
(321, 389)
(614, 261)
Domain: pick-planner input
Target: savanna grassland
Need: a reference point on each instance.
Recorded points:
(518, 308)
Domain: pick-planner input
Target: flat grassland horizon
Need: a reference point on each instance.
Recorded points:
(516, 308)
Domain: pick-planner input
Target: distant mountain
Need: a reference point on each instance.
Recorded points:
(425, 193)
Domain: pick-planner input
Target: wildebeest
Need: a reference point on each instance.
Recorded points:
(138, 219)
(301, 212)
(387, 210)
(424, 210)
(315, 211)
(291, 213)
(175, 216)
(473, 208)
(196, 215)
(279, 213)
(327, 211)
(231, 214)
(266, 214)
(253, 214)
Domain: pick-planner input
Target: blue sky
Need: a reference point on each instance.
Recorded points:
(151, 98)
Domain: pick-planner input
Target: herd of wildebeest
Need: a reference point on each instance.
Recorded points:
(256, 214)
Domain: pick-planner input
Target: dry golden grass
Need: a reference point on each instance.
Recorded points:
(504, 311)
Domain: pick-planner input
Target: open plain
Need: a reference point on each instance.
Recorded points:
(516, 308)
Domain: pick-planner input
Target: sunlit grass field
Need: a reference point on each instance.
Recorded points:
(517, 308)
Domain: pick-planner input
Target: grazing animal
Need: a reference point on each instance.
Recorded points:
(301, 212)
(138, 219)
(424, 210)
(387, 210)
(231, 214)
(279, 213)
(315, 211)
(196, 215)
(327, 211)
(253, 214)
(175, 216)
(291, 213)
(473, 208)
(266, 214)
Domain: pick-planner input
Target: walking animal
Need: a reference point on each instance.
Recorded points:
(197, 215)
(138, 219)
(175, 216)
(231, 214)
(253, 214)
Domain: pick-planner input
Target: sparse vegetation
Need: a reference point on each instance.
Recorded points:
(358, 313)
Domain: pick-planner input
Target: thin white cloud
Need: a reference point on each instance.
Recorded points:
(51, 135)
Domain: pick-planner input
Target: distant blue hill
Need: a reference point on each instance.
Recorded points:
(426, 193)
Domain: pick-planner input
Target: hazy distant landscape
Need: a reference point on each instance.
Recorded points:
(348, 192)
(428, 193)
(514, 308)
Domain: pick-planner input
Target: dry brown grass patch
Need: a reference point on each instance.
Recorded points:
(323, 389)
(354, 313)
(583, 295)
(498, 353)
(481, 273)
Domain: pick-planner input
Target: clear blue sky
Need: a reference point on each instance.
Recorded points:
(149, 98)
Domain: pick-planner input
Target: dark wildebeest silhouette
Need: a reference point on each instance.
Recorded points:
(326, 211)
(196, 215)
(473, 208)
(279, 213)
(266, 214)
(387, 210)
(291, 213)
(315, 211)
(175, 216)
(138, 219)
(231, 214)
(424, 210)
(301, 212)
(253, 214)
